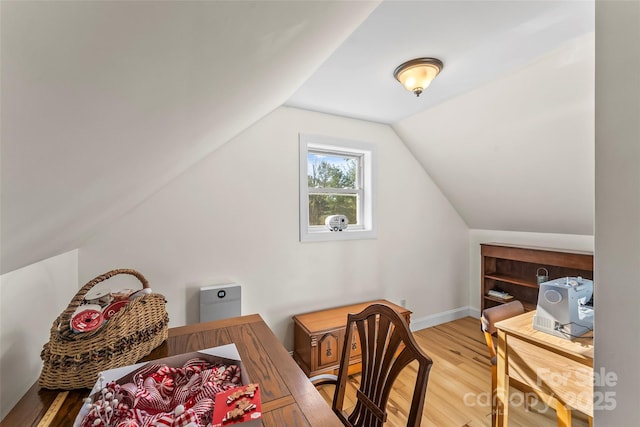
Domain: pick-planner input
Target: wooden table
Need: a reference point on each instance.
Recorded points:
(288, 398)
(555, 368)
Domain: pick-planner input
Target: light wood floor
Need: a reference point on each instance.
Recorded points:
(458, 394)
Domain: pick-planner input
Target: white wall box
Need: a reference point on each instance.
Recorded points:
(220, 302)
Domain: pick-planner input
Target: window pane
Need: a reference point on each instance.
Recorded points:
(323, 205)
(326, 170)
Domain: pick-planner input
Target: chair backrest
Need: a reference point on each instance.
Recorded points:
(493, 315)
(387, 346)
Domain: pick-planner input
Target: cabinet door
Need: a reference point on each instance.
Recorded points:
(329, 349)
(356, 351)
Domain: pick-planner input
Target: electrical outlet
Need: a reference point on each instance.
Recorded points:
(403, 302)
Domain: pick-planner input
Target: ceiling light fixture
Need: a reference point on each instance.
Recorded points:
(417, 74)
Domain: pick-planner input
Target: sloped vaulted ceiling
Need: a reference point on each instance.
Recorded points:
(506, 130)
(517, 154)
(105, 102)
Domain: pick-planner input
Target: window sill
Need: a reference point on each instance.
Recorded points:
(328, 236)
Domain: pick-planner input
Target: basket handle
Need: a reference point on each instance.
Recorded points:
(64, 324)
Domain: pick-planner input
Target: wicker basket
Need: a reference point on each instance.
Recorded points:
(74, 360)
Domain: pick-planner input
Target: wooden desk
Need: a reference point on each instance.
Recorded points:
(553, 367)
(288, 398)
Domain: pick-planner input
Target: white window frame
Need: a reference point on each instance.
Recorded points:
(366, 194)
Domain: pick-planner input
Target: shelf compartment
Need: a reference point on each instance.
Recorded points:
(511, 279)
(498, 299)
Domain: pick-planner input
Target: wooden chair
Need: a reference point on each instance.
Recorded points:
(387, 346)
(490, 317)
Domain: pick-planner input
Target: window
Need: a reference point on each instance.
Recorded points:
(336, 178)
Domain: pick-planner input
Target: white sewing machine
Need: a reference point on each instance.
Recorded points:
(562, 309)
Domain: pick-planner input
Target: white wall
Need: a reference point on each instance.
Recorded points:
(574, 242)
(31, 299)
(617, 226)
(234, 218)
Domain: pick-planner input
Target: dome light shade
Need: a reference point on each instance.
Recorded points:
(417, 74)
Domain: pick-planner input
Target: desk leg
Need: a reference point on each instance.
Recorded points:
(564, 415)
(502, 403)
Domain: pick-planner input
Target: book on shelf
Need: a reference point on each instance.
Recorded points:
(500, 294)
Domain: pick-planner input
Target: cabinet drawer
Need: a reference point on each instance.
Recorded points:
(356, 351)
(326, 349)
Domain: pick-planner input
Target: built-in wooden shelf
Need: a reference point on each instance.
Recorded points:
(513, 269)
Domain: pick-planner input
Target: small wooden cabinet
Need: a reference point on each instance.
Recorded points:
(319, 337)
(514, 269)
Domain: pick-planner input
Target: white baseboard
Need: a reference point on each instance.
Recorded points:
(445, 316)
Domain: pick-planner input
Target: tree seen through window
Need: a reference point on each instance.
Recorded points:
(333, 185)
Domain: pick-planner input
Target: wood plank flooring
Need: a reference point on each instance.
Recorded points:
(458, 394)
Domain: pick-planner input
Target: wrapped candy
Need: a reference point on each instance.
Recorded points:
(162, 395)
